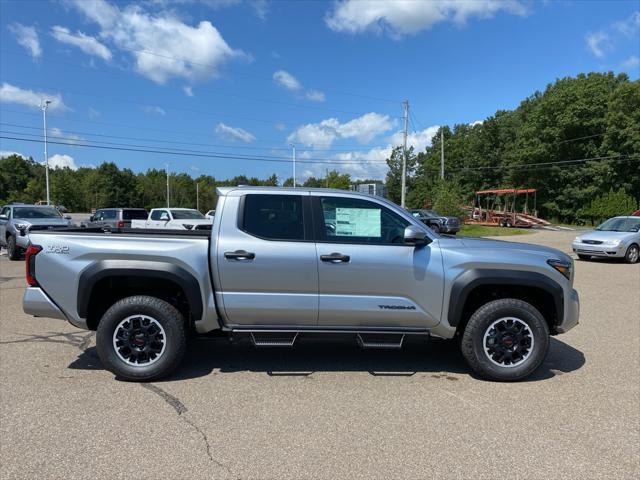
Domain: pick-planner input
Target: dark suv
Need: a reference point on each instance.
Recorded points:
(437, 223)
(115, 217)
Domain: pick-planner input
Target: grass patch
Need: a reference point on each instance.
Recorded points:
(484, 231)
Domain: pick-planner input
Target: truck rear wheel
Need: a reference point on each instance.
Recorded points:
(141, 338)
(505, 340)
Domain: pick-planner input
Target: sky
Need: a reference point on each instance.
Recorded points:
(224, 87)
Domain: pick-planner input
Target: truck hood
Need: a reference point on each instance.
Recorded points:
(527, 248)
(53, 222)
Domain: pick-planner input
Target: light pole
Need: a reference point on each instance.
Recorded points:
(197, 196)
(293, 145)
(44, 104)
(167, 169)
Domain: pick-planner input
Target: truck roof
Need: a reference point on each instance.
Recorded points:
(223, 191)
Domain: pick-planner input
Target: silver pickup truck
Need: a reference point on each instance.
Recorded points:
(281, 263)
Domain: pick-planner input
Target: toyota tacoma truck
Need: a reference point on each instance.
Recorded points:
(281, 263)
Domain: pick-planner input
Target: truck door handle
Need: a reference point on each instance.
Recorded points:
(335, 258)
(239, 255)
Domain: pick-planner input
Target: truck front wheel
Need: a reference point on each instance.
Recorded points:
(141, 338)
(505, 340)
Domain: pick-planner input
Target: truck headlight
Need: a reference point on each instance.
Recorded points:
(562, 266)
(577, 240)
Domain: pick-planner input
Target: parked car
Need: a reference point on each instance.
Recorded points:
(18, 220)
(210, 214)
(636, 213)
(174, 219)
(115, 217)
(618, 237)
(437, 223)
(275, 271)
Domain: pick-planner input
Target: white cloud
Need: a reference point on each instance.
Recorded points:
(280, 126)
(8, 153)
(365, 164)
(322, 134)
(597, 42)
(260, 8)
(28, 38)
(234, 133)
(291, 83)
(631, 63)
(286, 80)
(315, 95)
(86, 43)
(406, 17)
(12, 94)
(62, 161)
(629, 27)
(162, 45)
(187, 91)
(93, 113)
(66, 137)
(477, 122)
(154, 109)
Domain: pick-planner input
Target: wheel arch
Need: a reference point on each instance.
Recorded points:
(476, 287)
(123, 278)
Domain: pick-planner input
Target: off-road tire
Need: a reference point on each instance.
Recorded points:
(584, 257)
(13, 251)
(472, 344)
(165, 314)
(435, 228)
(633, 254)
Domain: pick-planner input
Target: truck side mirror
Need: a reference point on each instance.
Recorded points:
(4, 217)
(415, 236)
(92, 218)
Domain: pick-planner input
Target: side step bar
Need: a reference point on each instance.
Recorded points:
(384, 340)
(273, 339)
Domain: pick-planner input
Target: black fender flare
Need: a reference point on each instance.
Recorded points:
(138, 268)
(471, 279)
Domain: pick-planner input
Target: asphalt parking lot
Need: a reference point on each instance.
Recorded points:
(327, 409)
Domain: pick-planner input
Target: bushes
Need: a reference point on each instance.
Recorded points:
(610, 204)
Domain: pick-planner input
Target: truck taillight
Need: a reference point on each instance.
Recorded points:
(120, 224)
(30, 263)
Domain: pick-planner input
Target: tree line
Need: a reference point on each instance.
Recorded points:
(577, 143)
(23, 180)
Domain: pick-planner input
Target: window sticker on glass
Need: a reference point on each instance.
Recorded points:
(358, 222)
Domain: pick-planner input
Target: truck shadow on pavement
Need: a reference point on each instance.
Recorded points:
(219, 356)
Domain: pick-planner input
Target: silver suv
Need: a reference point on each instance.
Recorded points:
(115, 217)
(17, 220)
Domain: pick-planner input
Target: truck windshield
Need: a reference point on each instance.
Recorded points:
(36, 212)
(620, 225)
(186, 214)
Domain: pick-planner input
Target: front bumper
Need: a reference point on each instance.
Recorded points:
(571, 312)
(601, 250)
(450, 229)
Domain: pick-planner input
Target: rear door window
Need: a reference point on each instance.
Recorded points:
(274, 217)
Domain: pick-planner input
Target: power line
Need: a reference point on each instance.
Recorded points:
(186, 153)
(128, 126)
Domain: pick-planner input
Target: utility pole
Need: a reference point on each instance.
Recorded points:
(293, 145)
(326, 178)
(404, 154)
(44, 104)
(167, 170)
(197, 196)
(442, 153)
